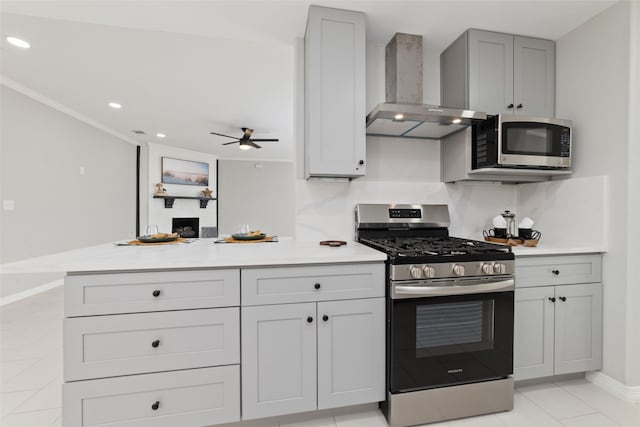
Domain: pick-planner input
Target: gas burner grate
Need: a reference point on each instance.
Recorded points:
(434, 246)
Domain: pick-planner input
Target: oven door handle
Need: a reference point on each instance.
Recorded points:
(433, 291)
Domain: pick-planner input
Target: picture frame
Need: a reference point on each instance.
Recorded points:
(184, 172)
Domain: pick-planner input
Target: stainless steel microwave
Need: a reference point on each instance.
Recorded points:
(521, 142)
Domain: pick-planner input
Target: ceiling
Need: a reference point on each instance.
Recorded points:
(185, 68)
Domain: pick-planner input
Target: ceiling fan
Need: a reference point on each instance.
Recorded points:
(246, 142)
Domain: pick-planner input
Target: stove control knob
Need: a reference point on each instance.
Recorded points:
(429, 272)
(499, 268)
(415, 272)
(487, 268)
(458, 269)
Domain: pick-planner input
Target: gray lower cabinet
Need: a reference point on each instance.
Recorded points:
(558, 328)
(302, 357)
(278, 359)
(190, 398)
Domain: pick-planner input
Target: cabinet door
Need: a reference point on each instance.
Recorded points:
(534, 76)
(578, 332)
(351, 352)
(335, 93)
(490, 72)
(278, 360)
(533, 333)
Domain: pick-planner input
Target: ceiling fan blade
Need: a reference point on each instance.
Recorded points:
(253, 144)
(220, 134)
(264, 140)
(232, 142)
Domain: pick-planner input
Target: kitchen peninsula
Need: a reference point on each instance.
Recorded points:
(161, 334)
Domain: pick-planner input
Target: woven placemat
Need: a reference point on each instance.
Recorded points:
(174, 242)
(232, 240)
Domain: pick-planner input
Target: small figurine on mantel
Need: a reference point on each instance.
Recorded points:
(160, 191)
(207, 193)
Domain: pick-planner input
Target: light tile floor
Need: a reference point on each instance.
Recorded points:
(31, 375)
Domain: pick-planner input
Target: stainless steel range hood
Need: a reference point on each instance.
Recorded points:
(403, 114)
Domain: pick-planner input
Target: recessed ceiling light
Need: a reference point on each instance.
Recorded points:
(456, 121)
(115, 105)
(18, 42)
(160, 135)
(399, 116)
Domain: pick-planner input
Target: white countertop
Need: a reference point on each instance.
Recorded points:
(521, 251)
(201, 253)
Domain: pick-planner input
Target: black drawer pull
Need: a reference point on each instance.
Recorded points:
(325, 318)
(155, 344)
(510, 106)
(563, 299)
(155, 405)
(317, 286)
(552, 299)
(519, 106)
(309, 319)
(556, 272)
(156, 293)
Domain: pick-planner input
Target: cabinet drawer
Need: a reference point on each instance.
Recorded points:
(558, 270)
(195, 397)
(105, 346)
(87, 295)
(313, 283)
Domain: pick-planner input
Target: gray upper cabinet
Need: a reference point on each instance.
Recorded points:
(335, 80)
(499, 73)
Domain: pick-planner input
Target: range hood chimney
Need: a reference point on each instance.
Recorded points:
(403, 114)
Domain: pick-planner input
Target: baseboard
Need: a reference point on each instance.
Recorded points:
(30, 292)
(615, 387)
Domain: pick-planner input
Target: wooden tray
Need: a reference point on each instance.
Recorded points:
(513, 242)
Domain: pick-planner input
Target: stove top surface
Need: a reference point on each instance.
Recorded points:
(405, 250)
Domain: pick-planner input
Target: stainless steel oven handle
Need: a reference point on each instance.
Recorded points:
(430, 291)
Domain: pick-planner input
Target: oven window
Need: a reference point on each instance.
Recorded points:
(457, 327)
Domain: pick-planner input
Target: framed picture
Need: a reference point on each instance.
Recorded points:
(184, 172)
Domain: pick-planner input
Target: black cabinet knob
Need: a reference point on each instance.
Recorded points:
(510, 106)
(563, 299)
(156, 293)
(155, 405)
(361, 162)
(317, 286)
(552, 299)
(155, 344)
(309, 319)
(519, 106)
(555, 272)
(325, 317)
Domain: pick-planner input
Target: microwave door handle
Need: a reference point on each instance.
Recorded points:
(427, 291)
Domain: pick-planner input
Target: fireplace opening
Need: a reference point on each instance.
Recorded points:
(186, 227)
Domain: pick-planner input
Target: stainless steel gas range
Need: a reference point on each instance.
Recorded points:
(449, 315)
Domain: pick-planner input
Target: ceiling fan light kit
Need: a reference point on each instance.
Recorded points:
(245, 142)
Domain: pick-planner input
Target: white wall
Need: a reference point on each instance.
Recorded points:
(256, 193)
(570, 212)
(592, 89)
(161, 216)
(633, 193)
(57, 208)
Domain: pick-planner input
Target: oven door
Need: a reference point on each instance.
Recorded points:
(534, 142)
(444, 340)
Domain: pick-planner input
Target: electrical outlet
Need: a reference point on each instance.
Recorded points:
(8, 205)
